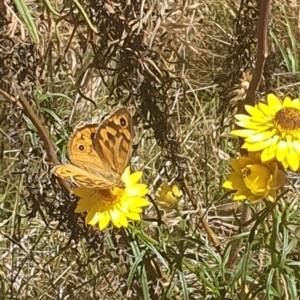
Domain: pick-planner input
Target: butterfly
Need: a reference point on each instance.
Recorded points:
(99, 153)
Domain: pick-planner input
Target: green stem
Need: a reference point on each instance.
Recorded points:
(274, 252)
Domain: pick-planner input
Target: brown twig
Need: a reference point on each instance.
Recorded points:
(236, 245)
(205, 225)
(262, 51)
(262, 54)
(49, 148)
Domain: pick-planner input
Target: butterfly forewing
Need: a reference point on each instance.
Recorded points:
(113, 140)
(80, 146)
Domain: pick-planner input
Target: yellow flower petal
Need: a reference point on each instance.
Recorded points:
(238, 197)
(243, 132)
(235, 181)
(274, 102)
(242, 118)
(266, 110)
(259, 137)
(118, 218)
(137, 190)
(296, 146)
(281, 151)
(293, 160)
(254, 112)
(296, 103)
(135, 177)
(103, 221)
(272, 196)
(255, 147)
(137, 210)
(285, 164)
(139, 202)
(134, 216)
(287, 102)
(258, 127)
(267, 155)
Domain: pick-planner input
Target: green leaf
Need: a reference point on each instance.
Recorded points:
(26, 17)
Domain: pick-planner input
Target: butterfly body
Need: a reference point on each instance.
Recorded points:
(99, 153)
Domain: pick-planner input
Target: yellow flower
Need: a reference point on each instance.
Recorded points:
(274, 129)
(168, 196)
(116, 204)
(253, 180)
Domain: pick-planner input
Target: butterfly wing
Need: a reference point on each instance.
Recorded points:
(82, 177)
(113, 140)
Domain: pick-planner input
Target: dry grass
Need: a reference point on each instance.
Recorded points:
(176, 65)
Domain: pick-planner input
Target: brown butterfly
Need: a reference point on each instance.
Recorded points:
(99, 153)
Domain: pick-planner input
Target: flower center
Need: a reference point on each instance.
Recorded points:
(287, 119)
(112, 195)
